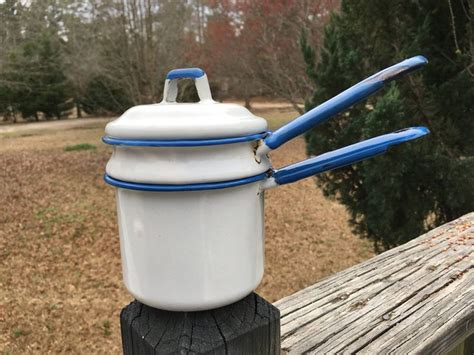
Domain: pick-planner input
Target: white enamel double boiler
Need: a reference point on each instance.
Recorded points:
(190, 181)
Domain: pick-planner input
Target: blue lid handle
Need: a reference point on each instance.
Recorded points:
(339, 103)
(185, 73)
(170, 91)
(346, 156)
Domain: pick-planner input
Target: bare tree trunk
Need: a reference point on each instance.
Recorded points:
(471, 35)
(78, 110)
(200, 21)
(297, 107)
(247, 102)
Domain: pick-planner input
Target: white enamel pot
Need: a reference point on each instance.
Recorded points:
(190, 202)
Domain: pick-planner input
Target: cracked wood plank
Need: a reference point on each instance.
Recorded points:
(250, 326)
(416, 298)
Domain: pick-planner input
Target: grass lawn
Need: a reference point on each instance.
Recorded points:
(60, 273)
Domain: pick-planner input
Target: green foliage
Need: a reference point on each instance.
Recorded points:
(396, 197)
(106, 326)
(103, 97)
(18, 333)
(82, 146)
(34, 78)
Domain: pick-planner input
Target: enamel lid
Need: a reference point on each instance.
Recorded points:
(170, 120)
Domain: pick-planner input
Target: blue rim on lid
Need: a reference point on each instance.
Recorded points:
(185, 187)
(182, 142)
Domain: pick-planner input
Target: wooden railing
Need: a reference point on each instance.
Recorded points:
(416, 298)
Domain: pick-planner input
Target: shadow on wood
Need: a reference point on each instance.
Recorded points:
(250, 326)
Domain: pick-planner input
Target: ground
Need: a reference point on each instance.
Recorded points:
(60, 273)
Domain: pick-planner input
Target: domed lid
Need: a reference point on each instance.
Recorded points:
(170, 120)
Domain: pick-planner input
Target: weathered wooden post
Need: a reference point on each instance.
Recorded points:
(249, 326)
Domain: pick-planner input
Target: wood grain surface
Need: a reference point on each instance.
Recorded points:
(416, 298)
(249, 326)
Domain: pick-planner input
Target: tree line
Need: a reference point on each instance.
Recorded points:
(103, 57)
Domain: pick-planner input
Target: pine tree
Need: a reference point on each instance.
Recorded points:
(416, 186)
(44, 87)
(32, 76)
(104, 97)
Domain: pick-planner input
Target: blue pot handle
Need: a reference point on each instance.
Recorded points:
(338, 103)
(345, 156)
(170, 91)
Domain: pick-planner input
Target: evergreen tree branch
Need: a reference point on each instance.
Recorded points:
(453, 26)
(418, 99)
(465, 10)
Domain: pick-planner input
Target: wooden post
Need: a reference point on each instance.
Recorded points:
(249, 326)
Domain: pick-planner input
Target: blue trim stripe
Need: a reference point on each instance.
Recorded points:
(187, 187)
(181, 142)
(192, 73)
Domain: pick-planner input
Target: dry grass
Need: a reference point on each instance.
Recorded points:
(60, 274)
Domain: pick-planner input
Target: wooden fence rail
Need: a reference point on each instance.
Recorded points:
(417, 298)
